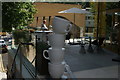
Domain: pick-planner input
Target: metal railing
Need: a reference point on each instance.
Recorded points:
(23, 62)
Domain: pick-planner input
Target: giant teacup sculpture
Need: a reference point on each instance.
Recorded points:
(57, 41)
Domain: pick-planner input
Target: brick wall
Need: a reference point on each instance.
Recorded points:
(52, 9)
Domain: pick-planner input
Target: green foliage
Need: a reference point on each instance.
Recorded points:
(92, 5)
(21, 36)
(15, 14)
(113, 5)
(109, 5)
(108, 25)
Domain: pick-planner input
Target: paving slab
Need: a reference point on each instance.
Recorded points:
(105, 72)
(3, 66)
(3, 76)
(83, 62)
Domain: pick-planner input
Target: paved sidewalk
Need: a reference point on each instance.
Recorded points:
(104, 72)
(3, 76)
(84, 64)
(3, 67)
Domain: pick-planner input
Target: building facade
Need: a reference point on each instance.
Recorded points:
(49, 10)
(89, 29)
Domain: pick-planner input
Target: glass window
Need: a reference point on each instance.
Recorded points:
(86, 30)
(88, 17)
(88, 22)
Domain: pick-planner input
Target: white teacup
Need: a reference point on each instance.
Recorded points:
(56, 40)
(61, 26)
(55, 55)
(56, 70)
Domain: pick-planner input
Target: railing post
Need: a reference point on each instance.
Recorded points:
(36, 59)
(20, 62)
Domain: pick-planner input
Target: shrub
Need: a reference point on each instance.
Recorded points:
(21, 36)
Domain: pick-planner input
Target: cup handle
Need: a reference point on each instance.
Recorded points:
(69, 28)
(44, 54)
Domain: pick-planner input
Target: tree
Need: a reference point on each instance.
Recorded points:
(109, 6)
(17, 14)
(113, 5)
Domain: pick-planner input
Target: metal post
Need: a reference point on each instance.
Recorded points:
(15, 57)
(98, 23)
(36, 21)
(74, 29)
(21, 63)
(36, 59)
(49, 22)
